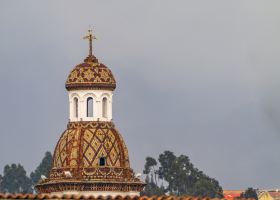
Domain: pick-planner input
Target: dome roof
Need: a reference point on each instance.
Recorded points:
(79, 151)
(84, 143)
(90, 75)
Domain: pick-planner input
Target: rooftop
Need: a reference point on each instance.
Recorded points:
(66, 196)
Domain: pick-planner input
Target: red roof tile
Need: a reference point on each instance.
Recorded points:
(69, 197)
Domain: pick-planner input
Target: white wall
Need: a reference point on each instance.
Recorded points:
(97, 96)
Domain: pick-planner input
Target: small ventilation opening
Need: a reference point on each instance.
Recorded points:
(102, 161)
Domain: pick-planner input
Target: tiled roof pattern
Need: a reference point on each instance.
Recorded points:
(68, 196)
(93, 140)
(91, 75)
(78, 151)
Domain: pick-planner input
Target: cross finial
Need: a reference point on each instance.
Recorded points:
(90, 37)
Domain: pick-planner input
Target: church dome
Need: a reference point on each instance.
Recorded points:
(90, 75)
(84, 143)
(90, 156)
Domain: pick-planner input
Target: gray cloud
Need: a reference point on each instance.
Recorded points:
(197, 77)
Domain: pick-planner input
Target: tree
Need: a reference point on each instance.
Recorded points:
(151, 180)
(152, 188)
(150, 170)
(150, 163)
(207, 186)
(179, 176)
(43, 168)
(249, 193)
(177, 171)
(15, 180)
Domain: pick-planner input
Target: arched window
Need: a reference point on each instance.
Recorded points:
(76, 108)
(102, 161)
(104, 107)
(90, 107)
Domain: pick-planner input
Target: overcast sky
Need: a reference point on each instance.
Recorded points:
(199, 78)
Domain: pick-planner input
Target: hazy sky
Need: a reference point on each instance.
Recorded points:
(199, 78)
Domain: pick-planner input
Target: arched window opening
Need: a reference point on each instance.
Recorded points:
(104, 107)
(90, 107)
(102, 161)
(76, 108)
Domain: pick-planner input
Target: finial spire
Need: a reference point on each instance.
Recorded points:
(90, 37)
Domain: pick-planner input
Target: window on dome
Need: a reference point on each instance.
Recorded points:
(104, 107)
(90, 107)
(102, 161)
(76, 109)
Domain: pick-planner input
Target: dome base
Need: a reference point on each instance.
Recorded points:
(97, 193)
(90, 188)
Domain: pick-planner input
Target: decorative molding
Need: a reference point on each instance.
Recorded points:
(52, 187)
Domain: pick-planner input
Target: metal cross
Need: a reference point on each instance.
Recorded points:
(90, 37)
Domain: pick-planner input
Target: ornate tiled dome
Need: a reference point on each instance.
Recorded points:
(79, 152)
(91, 75)
(84, 143)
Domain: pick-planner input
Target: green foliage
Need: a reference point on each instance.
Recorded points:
(249, 193)
(176, 172)
(15, 180)
(43, 168)
(151, 180)
(179, 176)
(152, 188)
(206, 186)
(150, 162)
